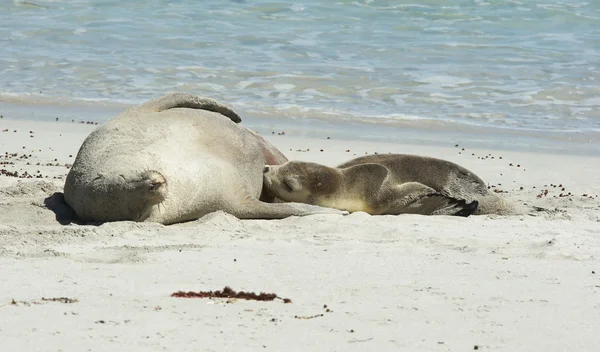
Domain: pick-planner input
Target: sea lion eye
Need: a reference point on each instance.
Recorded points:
(287, 186)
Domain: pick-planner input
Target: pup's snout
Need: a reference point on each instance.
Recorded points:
(266, 169)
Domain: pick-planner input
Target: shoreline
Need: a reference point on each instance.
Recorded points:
(416, 132)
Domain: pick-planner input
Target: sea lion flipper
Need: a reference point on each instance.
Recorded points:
(190, 101)
(417, 198)
(468, 209)
(443, 205)
(251, 208)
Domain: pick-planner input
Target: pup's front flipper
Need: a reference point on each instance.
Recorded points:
(251, 208)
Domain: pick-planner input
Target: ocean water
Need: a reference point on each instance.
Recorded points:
(499, 64)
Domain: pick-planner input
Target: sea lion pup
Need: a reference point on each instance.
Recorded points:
(384, 184)
(175, 159)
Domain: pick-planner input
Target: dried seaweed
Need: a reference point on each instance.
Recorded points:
(228, 292)
(43, 300)
(61, 299)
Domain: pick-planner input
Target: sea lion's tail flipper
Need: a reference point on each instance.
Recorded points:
(190, 101)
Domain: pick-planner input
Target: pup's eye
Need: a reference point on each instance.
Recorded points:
(287, 186)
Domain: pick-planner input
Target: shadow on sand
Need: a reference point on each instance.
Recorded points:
(64, 214)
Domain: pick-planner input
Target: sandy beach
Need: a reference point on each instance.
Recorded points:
(526, 282)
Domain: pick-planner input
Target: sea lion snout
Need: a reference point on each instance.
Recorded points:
(268, 177)
(271, 169)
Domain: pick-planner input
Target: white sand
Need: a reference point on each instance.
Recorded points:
(527, 282)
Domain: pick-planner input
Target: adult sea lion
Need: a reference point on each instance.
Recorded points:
(175, 159)
(384, 184)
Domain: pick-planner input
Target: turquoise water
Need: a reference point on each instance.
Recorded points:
(518, 65)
